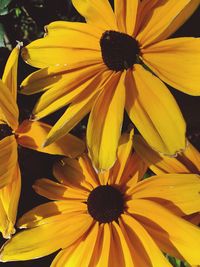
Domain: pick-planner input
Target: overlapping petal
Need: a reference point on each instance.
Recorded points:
(176, 62)
(105, 121)
(140, 89)
(91, 10)
(33, 134)
(173, 13)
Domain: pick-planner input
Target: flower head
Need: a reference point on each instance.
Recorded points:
(110, 218)
(102, 67)
(27, 134)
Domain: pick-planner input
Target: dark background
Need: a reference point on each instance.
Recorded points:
(24, 20)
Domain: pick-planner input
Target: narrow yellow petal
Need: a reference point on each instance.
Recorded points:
(173, 13)
(105, 121)
(177, 235)
(176, 62)
(145, 96)
(33, 134)
(126, 14)
(68, 89)
(40, 241)
(50, 213)
(178, 190)
(10, 72)
(8, 159)
(8, 106)
(81, 255)
(147, 252)
(9, 197)
(56, 191)
(92, 11)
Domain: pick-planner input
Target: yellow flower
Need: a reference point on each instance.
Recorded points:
(188, 161)
(27, 134)
(98, 66)
(110, 218)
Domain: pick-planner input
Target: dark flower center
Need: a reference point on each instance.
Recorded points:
(119, 50)
(105, 203)
(5, 131)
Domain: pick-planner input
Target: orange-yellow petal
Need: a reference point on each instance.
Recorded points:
(97, 13)
(176, 62)
(8, 159)
(40, 241)
(186, 161)
(126, 14)
(172, 234)
(10, 72)
(33, 134)
(105, 121)
(145, 96)
(173, 13)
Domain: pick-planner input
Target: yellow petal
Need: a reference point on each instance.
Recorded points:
(8, 107)
(78, 109)
(59, 50)
(8, 159)
(173, 234)
(176, 62)
(56, 191)
(92, 11)
(82, 253)
(10, 72)
(40, 241)
(76, 173)
(68, 89)
(9, 198)
(179, 190)
(153, 109)
(105, 121)
(173, 13)
(126, 14)
(157, 162)
(50, 213)
(145, 251)
(33, 134)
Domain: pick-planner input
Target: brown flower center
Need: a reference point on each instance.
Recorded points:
(105, 204)
(119, 50)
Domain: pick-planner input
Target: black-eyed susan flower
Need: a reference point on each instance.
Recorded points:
(110, 218)
(187, 161)
(98, 66)
(27, 134)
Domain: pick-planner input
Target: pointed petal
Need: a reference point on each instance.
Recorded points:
(76, 173)
(9, 197)
(68, 89)
(67, 46)
(8, 107)
(147, 252)
(173, 234)
(10, 72)
(179, 190)
(82, 253)
(185, 162)
(173, 14)
(146, 95)
(50, 213)
(91, 10)
(126, 14)
(105, 121)
(40, 241)
(176, 62)
(80, 107)
(8, 159)
(33, 134)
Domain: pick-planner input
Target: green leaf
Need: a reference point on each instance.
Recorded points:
(4, 7)
(2, 44)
